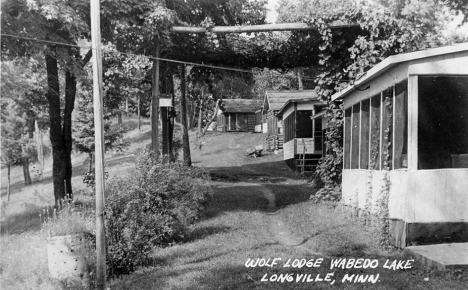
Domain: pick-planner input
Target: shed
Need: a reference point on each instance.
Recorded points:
(238, 115)
(406, 139)
(273, 124)
(303, 135)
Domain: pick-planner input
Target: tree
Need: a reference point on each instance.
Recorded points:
(56, 21)
(386, 28)
(83, 131)
(22, 109)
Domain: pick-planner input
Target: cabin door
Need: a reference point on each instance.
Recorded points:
(242, 124)
(232, 122)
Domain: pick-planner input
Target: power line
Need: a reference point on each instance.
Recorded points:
(155, 58)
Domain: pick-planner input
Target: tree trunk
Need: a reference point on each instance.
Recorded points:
(190, 114)
(59, 152)
(9, 180)
(155, 101)
(40, 150)
(299, 78)
(91, 161)
(212, 118)
(27, 176)
(183, 118)
(70, 94)
(126, 107)
(139, 114)
(119, 117)
(200, 111)
(172, 114)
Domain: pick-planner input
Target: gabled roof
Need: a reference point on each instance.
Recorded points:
(393, 60)
(241, 105)
(274, 100)
(316, 100)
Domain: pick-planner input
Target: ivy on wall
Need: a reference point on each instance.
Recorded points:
(384, 32)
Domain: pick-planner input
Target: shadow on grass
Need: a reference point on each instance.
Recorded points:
(203, 232)
(27, 220)
(268, 171)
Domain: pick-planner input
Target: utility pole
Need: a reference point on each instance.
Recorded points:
(155, 100)
(99, 145)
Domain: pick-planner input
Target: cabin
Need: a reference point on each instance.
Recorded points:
(406, 139)
(238, 115)
(272, 123)
(303, 132)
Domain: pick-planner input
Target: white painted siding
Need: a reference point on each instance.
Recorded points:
(415, 196)
(288, 150)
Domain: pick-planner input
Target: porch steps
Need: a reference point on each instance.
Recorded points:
(441, 256)
(306, 165)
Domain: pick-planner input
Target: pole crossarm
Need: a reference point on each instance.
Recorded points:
(260, 28)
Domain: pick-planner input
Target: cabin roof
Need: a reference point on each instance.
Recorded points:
(314, 100)
(275, 100)
(241, 105)
(394, 60)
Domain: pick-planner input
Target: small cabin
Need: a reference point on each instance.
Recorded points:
(238, 115)
(406, 134)
(303, 133)
(272, 122)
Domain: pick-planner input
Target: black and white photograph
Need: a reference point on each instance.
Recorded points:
(234, 144)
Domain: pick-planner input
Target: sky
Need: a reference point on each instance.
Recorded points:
(271, 15)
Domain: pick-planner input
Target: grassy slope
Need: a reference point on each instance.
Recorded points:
(234, 229)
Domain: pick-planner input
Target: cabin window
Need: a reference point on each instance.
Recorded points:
(400, 150)
(374, 162)
(304, 124)
(375, 131)
(258, 118)
(387, 129)
(364, 153)
(442, 122)
(347, 138)
(318, 134)
(355, 124)
(280, 126)
(289, 126)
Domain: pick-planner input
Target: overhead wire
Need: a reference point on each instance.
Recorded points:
(154, 58)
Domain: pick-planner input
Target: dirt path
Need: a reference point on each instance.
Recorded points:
(276, 225)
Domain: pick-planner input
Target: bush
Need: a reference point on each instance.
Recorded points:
(68, 220)
(152, 207)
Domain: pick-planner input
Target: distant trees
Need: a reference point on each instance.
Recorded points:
(22, 110)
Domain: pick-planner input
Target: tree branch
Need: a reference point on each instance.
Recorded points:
(87, 57)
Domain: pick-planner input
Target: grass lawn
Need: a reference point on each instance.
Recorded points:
(233, 229)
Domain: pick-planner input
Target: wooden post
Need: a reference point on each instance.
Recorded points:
(99, 145)
(40, 149)
(183, 118)
(164, 132)
(155, 100)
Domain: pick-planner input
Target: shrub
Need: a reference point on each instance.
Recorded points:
(152, 207)
(70, 219)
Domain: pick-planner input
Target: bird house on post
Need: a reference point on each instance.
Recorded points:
(165, 100)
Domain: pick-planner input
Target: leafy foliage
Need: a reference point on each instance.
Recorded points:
(153, 207)
(385, 31)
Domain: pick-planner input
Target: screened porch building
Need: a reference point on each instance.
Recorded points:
(406, 134)
(273, 123)
(303, 133)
